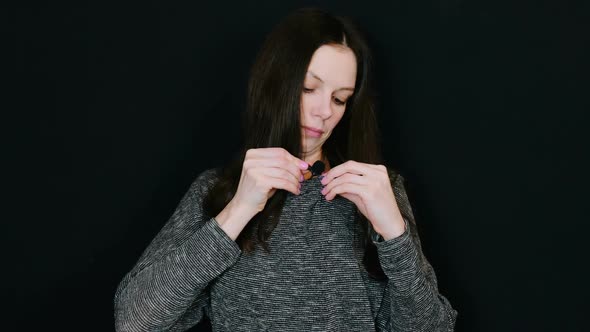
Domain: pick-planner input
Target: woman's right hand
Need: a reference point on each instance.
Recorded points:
(264, 171)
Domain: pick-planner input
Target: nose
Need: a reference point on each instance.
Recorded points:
(323, 107)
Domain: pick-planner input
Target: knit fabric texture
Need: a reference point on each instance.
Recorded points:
(313, 278)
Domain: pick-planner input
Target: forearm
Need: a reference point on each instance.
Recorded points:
(155, 296)
(414, 300)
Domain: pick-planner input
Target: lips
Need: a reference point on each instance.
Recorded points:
(319, 131)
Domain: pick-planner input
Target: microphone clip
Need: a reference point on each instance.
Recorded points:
(317, 168)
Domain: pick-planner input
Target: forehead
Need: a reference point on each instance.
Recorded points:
(334, 65)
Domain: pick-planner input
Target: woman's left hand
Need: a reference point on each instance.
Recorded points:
(369, 188)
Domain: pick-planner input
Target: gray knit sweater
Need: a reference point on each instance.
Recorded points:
(312, 280)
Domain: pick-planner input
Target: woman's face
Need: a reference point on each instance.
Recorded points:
(328, 84)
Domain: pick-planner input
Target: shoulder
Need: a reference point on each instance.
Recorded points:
(398, 183)
(205, 180)
(209, 175)
(396, 179)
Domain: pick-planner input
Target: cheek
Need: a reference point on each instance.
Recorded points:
(333, 123)
(306, 102)
(338, 114)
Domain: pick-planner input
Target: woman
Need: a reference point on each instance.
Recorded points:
(262, 245)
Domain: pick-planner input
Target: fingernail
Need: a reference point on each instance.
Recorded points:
(320, 177)
(304, 164)
(300, 177)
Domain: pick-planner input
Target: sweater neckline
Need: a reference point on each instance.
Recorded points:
(312, 184)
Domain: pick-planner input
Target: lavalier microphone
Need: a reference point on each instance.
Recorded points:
(316, 169)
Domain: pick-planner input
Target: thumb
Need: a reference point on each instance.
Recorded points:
(271, 192)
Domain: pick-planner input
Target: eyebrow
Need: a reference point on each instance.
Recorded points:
(317, 77)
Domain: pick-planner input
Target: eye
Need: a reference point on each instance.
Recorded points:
(306, 90)
(339, 102)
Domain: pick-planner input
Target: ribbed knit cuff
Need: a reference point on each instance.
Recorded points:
(222, 236)
(399, 257)
(211, 251)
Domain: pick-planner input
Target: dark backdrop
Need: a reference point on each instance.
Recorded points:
(119, 106)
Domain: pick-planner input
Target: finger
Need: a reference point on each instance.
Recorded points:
(346, 178)
(278, 178)
(350, 166)
(278, 153)
(282, 163)
(354, 199)
(351, 188)
(279, 173)
(286, 185)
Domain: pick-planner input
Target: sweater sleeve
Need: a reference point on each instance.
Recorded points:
(412, 296)
(167, 289)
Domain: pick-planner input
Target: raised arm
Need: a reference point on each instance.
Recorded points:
(412, 298)
(167, 288)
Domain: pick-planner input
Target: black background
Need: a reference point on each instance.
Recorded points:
(117, 107)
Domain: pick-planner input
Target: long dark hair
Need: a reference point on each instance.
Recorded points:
(272, 117)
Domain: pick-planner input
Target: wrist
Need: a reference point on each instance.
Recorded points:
(393, 230)
(237, 208)
(233, 218)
